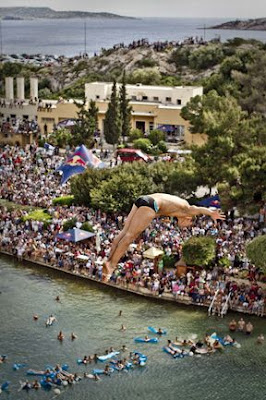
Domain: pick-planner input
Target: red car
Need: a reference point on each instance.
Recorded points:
(130, 155)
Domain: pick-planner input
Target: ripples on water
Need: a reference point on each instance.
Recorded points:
(92, 313)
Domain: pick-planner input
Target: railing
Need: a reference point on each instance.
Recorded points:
(226, 305)
(212, 302)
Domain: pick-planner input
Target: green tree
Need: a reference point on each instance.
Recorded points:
(120, 191)
(253, 84)
(256, 252)
(146, 76)
(82, 184)
(87, 124)
(199, 251)
(62, 137)
(206, 57)
(112, 122)
(125, 109)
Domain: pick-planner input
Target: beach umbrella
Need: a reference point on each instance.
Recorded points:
(152, 253)
(66, 123)
(75, 235)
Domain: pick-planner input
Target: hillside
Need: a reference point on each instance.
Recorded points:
(46, 12)
(258, 24)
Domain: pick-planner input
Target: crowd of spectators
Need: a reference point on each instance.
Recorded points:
(13, 126)
(159, 45)
(27, 177)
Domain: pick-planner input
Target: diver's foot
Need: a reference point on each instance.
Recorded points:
(107, 271)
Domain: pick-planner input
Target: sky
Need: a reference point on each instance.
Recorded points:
(155, 8)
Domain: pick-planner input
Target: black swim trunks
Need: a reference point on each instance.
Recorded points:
(147, 201)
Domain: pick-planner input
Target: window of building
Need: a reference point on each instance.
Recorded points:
(134, 98)
(179, 102)
(25, 117)
(169, 99)
(156, 98)
(180, 132)
(140, 125)
(51, 120)
(151, 126)
(144, 98)
(97, 96)
(12, 116)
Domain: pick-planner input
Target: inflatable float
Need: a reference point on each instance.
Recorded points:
(143, 340)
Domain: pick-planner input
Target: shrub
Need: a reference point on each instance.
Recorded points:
(256, 252)
(146, 63)
(169, 261)
(86, 226)
(156, 136)
(69, 224)
(38, 215)
(162, 146)
(199, 251)
(143, 144)
(135, 134)
(63, 201)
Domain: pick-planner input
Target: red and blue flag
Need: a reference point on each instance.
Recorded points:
(78, 162)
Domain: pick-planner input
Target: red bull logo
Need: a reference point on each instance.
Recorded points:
(76, 161)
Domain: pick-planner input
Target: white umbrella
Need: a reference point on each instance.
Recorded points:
(152, 253)
(82, 257)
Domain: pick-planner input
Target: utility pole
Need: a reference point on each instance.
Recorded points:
(1, 38)
(85, 38)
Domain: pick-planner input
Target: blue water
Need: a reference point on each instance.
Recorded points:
(67, 37)
(91, 311)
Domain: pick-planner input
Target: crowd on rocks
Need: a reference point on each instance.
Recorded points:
(27, 178)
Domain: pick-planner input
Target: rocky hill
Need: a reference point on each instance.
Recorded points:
(258, 24)
(46, 12)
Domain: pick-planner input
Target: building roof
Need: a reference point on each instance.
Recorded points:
(139, 85)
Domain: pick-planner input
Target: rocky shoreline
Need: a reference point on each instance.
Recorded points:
(258, 24)
(29, 13)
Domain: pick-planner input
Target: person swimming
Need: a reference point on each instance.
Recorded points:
(60, 336)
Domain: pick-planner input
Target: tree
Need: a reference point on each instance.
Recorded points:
(234, 155)
(87, 124)
(61, 137)
(120, 191)
(253, 84)
(125, 109)
(256, 252)
(112, 122)
(199, 251)
(146, 76)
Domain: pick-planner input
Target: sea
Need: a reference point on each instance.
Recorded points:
(91, 311)
(71, 37)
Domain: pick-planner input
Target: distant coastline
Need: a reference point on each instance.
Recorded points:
(29, 13)
(257, 24)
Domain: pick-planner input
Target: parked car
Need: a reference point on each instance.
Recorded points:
(130, 155)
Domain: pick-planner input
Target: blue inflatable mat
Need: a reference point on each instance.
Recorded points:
(101, 371)
(153, 330)
(143, 340)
